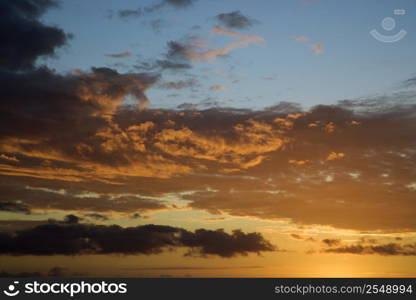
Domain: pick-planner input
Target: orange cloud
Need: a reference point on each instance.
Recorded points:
(217, 87)
(335, 155)
(301, 38)
(298, 162)
(232, 161)
(9, 158)
(211, 54)
(318, 48)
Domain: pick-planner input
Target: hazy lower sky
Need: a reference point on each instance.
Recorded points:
(208, 138)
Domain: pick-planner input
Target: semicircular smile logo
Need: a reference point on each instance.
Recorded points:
(388, 24)
(11, 290)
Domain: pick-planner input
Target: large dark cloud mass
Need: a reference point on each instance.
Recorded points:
(23, 37)
(74, 239)
(84, 141)
(332, 165)
(51, 100)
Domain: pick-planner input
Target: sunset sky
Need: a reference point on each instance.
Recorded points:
(196, 138)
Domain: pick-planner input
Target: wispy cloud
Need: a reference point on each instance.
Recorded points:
(301, 38)
(193, 54)
(317, 48)
(391, 249)
(119, 55)
(143, 11)
(178, 85)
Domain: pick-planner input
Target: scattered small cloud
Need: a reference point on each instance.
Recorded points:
(178, 85)
(72, 219)
(318, 48)
(119, 55)
(217, 87)
(157, 25)
(97, 216)
(136, 216)
(335, 155)
(411, 82)
(331, 242)
(269, 77)
(298, 162)
(301, 38)
(296, 236)
(391, 249)
(143, 11)
(235, 20)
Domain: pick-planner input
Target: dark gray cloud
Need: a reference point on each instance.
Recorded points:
(136, 216)
(11, 226)
(331, 242)
(139, 12)
(163, 64)
(176, 50)
(72, 219)
(285, 108)
(173, 60)
(68, 199)
(187, 106)
(411, 82)
(18, 207)
(235, 20)
(77, 239)
(23, 37)
(391, 249)
(157, 25)
(142, 11)
(296, 236)
(173, 65)
(119, 55)
(129, 13)
(302, 238)
(179, 85)
(209, 242)
(96, 216)
(50, 98)
(180, 3)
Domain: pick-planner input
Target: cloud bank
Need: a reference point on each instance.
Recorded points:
(72, 238)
